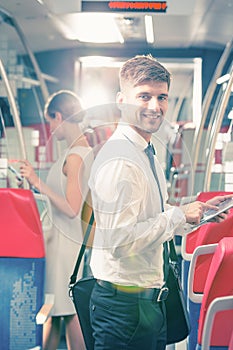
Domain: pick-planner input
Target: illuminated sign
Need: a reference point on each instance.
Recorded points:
(124, 6)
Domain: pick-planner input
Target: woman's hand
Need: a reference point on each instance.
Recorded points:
(27, 171)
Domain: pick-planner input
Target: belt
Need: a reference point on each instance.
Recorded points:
(153, 294)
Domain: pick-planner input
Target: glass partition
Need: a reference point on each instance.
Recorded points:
(23, 93)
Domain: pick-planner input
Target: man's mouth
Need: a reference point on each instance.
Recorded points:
(152, 116)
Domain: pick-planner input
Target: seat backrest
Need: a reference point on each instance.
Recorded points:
(219, 283)
(20, 223)
(231, 341)
(22, 268)
(212, 232)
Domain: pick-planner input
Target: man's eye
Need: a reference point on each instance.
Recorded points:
(144, 97)
(163, 98)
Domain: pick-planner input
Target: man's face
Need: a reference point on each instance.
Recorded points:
(144, 106)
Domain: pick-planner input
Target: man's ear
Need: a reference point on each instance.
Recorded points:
(120, 100)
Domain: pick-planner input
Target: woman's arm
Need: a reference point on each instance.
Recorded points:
(73, 170)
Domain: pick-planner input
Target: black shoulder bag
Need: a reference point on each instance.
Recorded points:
(178, 323)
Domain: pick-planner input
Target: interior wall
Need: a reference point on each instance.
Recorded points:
(61, 63)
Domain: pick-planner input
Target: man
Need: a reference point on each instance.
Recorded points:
(133, 220)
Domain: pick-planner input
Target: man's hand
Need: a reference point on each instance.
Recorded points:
(216, 201)
(195, 210)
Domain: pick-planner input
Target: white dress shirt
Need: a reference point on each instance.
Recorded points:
(130, 227)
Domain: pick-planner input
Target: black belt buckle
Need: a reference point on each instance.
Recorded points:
(163, 294)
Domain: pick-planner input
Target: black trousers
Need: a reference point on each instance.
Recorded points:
(126, 322)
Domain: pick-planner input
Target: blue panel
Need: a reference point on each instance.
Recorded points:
(184, 276)
(199, 347)
(194, 312)
(21, 297)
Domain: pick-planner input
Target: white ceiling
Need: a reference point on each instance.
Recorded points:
(186, 24)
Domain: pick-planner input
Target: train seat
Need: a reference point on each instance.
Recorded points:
(217, 305)
(231, 342)
(218, 284)
(22, 269)
(207, 234)
(210, 233)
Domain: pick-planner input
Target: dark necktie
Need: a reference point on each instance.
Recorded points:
(150, 152)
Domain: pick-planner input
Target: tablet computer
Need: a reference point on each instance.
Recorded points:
(210, 214)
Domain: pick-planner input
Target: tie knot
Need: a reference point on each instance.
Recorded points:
(150, 149)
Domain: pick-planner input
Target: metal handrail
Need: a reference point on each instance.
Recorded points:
(206, 103)
(215, 131)
(9, 19)
(14, 109)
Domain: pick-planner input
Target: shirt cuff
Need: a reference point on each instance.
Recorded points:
(177, 220)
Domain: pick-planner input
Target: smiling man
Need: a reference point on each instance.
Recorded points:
(146, 91)
(133, 220)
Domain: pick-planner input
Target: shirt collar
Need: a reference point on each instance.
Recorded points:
(125, 130)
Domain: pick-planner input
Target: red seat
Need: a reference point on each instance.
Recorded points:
(21, 228)
(231, 341)
(212, 232)
(219, 283)
(217, 305)
(207, 234)
(22, 268)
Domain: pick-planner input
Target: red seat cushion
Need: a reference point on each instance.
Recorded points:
(21, 228)
(219, 282)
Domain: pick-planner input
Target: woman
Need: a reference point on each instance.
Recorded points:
(66, 187)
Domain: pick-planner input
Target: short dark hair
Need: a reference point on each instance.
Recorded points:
(142, 68)
(67, 103)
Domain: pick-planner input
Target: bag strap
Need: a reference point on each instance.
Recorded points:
(82, 250)
(172, 254)
(172, 249)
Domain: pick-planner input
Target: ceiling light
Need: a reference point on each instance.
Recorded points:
(92, 27)
(149, 29)
(99, 61)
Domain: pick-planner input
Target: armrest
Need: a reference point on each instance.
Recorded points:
(45, 310)
(218, 304)
(46, 213)
(201, 250)
(186, 256)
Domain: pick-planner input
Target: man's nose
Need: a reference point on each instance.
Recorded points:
(154, 104)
